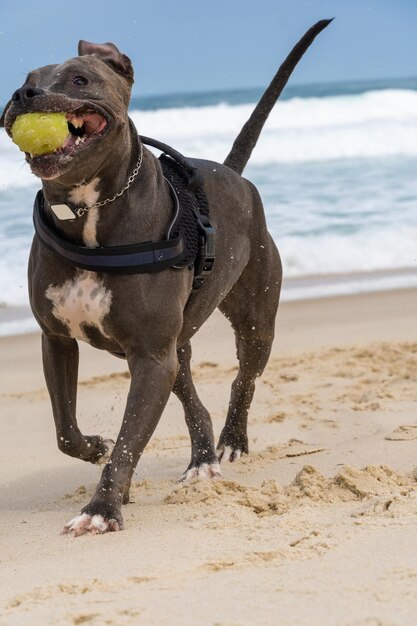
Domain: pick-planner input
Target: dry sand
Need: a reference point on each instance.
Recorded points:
(317, 526)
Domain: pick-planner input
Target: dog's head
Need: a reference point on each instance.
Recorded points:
(93, 90)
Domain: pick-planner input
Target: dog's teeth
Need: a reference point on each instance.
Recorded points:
(77, 141)
(77, 122)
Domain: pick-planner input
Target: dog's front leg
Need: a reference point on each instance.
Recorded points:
(60, 365)
(151, 384)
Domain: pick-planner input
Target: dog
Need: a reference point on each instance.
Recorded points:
(149, 318)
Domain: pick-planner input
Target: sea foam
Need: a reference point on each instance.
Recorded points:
(373, 124)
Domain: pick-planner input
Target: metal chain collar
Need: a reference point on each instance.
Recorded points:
(83, 210)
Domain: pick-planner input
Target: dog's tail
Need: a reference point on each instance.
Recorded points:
(248, 136)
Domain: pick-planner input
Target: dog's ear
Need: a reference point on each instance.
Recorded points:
(3, 115)
(111, 55)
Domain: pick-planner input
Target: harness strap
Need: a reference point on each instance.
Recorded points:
(148, 256)
(130, 259)
(195, 180)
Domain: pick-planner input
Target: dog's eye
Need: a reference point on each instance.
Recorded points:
(80, 80)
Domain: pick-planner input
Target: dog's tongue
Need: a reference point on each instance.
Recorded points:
(93, 123)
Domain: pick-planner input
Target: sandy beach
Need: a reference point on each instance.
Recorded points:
(317, 526)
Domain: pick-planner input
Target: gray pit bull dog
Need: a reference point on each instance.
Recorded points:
(148, 317)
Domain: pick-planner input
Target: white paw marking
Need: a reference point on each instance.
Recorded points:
(83, 300)
(206, 470)
(106, 456)
(84, 524)
(227, 452)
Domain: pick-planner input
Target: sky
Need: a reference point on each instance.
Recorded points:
(192, 45)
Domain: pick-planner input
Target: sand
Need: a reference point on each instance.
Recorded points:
(317, 526)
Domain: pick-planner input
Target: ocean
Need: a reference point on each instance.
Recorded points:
(335, 166)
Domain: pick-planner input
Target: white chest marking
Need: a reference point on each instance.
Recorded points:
(81, 301)
(90, 229)
(88, 195)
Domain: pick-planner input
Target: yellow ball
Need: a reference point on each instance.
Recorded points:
(40, 133)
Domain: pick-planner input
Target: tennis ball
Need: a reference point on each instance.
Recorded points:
(40, 133)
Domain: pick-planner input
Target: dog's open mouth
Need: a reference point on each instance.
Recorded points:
(83, 127)
(87, 126)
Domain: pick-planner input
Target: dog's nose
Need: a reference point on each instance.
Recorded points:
(24, 93)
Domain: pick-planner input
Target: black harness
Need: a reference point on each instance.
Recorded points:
(190, 238)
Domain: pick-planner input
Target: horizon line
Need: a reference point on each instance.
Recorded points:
(191, 92)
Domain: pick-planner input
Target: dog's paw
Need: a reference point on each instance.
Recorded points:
(105, 457)
(85, 524)
(205, 470)
(232, 444)
(228, 452)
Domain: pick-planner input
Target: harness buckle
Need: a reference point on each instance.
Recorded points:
(207, 251)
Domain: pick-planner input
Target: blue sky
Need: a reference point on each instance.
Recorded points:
(189, 45)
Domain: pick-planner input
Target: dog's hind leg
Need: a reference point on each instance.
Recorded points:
(204, 463)
(251, 308)
(60, 361)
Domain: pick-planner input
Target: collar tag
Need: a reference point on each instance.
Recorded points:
(63, 212)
